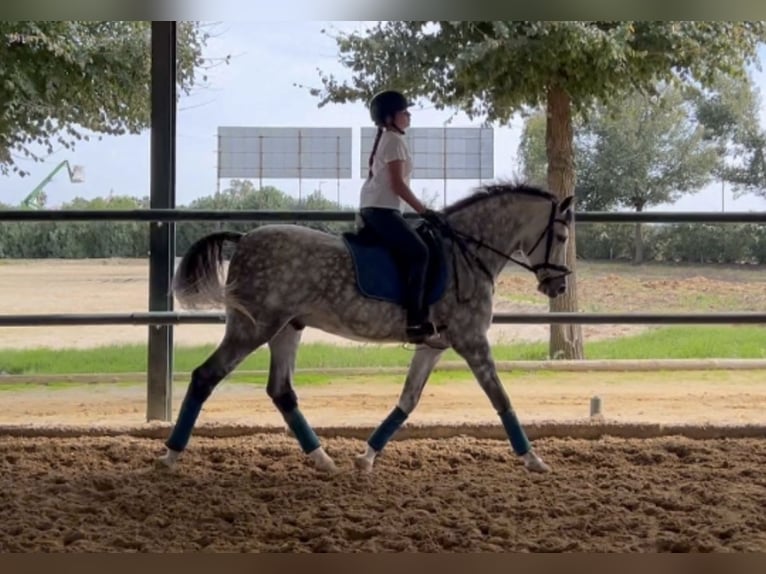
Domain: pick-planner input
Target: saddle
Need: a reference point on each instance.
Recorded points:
(380, 275)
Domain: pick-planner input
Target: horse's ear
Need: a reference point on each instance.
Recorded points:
(566, 203)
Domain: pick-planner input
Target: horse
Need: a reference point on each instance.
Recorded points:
(283, 277)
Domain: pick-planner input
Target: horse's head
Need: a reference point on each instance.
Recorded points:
(533, 233)
(546, 256)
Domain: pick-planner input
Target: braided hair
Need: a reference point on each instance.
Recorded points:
(377, 141)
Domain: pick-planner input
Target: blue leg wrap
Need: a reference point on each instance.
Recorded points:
(187, 416)
(306, 436)
(387, 428)
(516, 434)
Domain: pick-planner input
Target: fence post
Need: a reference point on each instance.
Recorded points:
(162, 233)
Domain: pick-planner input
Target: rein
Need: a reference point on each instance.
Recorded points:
(460, 239)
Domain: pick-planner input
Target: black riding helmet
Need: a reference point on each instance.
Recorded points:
(387, 103)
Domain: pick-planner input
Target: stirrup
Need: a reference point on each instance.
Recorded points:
(421, 332)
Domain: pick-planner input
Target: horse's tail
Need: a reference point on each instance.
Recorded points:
(199, 279)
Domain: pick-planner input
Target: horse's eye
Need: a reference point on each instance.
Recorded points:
(561, 238)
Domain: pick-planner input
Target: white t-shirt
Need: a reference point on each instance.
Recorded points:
(377, 190)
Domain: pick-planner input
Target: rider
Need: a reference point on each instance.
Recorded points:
(382, 197)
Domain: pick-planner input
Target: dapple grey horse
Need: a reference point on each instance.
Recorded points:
(284, 277)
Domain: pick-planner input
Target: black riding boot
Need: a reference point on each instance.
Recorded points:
(419, 328)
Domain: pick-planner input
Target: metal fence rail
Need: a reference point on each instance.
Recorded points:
(175, 318)
(176, 215)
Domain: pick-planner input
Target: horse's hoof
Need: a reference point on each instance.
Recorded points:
(322, 461)
(167, 460)
(329, 467)
(534, 463)
(164, 463)
(363, 463)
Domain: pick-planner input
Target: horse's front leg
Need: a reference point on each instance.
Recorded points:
(423, 362)
(476, 352)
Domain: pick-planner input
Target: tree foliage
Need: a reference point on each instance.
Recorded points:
(693, 243)
(677, 243)
(533, 158)
(725, 114)
(493, 69)
(96, 239)
(62, 79)
(729, 110)
(640, 151)
(531, 152)
(647, 150)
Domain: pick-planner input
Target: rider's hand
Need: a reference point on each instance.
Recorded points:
(434, 218)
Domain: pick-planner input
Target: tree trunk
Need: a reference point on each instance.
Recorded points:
(638, 255)
(565, 339)
(638, 238)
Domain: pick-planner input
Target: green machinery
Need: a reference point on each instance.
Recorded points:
(36, 199)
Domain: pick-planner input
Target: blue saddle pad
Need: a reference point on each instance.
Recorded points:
(379, 276)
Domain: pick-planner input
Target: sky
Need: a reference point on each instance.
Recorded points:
(257, 89)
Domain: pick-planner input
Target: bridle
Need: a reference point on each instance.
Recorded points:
(548, 234)
(460, 238)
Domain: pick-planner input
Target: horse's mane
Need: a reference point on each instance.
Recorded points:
(498, 188)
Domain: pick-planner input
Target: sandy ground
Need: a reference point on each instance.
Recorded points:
(699, 398)
(258, 494)
(121, 286)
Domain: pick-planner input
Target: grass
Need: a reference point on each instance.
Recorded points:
(676, 342)
(687, 342)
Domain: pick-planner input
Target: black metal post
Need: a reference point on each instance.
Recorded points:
(162, 234)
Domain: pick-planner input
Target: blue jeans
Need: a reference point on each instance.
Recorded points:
(393, 231)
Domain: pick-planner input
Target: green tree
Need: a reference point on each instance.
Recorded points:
(241, 194)
(533, 157)
(645, 150)
(62, 79)
(728, 109)
(264, 198)
(531, 151)
(315, 201)
(493, 69)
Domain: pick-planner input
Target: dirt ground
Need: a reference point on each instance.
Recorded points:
(258, 494)
(695, 398)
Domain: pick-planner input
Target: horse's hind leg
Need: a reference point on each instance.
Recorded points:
(241, 338)
(284, 349)
(423, 362)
